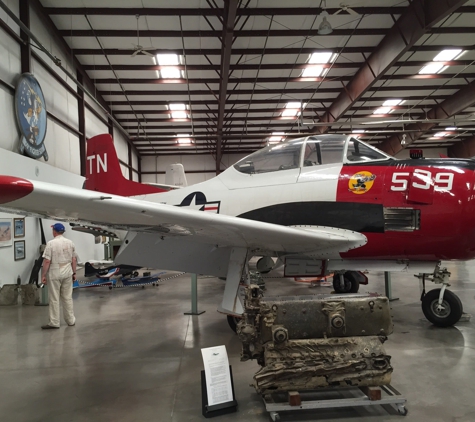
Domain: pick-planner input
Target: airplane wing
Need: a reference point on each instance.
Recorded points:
(186, 230)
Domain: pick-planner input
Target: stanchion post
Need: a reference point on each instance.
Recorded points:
(194, 296)
(387, 286)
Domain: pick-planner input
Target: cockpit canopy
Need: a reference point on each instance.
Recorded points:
(309, 151)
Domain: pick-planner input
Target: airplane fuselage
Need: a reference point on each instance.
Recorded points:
(408, 209)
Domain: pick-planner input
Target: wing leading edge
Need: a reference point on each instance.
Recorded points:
(184, 230)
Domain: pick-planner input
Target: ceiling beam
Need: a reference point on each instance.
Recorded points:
(450, 107)
(257, 11)
(419, 17)
(254, 33)
(254, 51)
(272, 66)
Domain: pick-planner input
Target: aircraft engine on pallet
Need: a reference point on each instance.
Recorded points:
(311, 342)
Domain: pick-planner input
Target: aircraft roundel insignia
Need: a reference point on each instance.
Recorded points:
(361, 182)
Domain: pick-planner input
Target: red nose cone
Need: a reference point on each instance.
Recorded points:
(13, 188)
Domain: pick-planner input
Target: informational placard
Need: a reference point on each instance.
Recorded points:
(218, 378)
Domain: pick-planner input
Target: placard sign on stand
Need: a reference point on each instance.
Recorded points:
(217, 388)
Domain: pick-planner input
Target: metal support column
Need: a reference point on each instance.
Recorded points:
(387, 286)
(194, 296)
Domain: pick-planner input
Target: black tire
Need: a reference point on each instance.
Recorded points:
(233, 322)
(352, 285)
(450, 315)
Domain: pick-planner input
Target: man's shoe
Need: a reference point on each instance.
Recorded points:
(72, 325)
(48, 327)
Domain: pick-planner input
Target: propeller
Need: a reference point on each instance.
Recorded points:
(345, 8)
(140, 49)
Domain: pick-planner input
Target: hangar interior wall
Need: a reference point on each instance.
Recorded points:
(63, 165)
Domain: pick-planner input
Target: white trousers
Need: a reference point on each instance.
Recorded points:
(61, 289)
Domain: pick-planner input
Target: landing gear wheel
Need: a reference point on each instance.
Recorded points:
(233, 322)
(352, 285)
(444, 315)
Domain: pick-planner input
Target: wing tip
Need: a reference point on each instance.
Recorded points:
(13, 188)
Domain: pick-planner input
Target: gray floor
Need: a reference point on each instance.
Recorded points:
(134, 356)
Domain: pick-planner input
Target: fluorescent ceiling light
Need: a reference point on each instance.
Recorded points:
(382, 110)
(183, 139)
(359, 131)
(431, 69)
(291, 112)
(440, 134)
(447, 55)
(321, 58)
(391, 103)
(168, 59)
(451, 128)
(276, 137)
(170, 73)
(312, 71)
(177, 106)
(295, 105)
(179, 115)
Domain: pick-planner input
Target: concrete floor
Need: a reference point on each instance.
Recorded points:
(134, 356)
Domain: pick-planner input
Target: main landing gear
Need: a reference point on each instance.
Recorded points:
(346, 282)
(441, 307)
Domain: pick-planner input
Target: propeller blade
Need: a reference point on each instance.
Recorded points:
(135, 53)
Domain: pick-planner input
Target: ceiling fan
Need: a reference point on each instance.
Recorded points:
(346, 8)
(139, 49)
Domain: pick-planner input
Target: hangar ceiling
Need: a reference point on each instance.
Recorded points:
(229, 77)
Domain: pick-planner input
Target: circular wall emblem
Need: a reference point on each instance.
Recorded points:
(361, 182)
(30, 111)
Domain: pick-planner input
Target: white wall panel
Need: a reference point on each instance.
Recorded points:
(94, 126)
(63, 148)
(121, 147)
(10, 135)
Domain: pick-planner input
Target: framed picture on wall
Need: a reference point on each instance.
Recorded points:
(19, 249)
(19, 227)
(6, 232)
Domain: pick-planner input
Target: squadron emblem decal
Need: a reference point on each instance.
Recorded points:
(361, 182)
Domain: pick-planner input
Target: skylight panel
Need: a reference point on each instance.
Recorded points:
(170, 72)
(321, 58)
(447, 55)
(276, 137)
(382, 110)
(312, 71)
(431, 69)
(184, 139)
(168, 59)
(293, 109)
(392, 103)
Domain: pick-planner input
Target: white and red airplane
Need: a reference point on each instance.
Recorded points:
(320, 204)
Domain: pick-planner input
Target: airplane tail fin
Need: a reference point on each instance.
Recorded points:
(175, 175)
(103, 172)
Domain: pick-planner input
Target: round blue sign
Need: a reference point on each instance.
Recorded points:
(30, 110)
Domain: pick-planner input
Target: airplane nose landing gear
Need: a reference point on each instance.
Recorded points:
(441, 307)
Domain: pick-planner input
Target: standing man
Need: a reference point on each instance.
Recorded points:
(60, 265)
